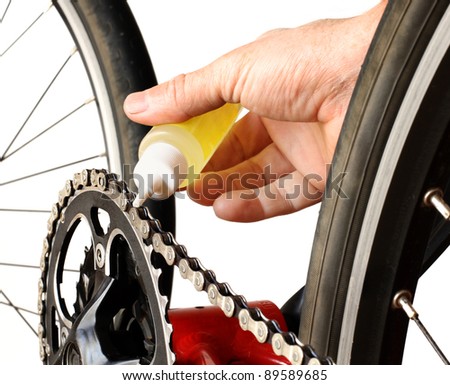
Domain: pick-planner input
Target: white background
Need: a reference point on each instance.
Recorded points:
(264, 260)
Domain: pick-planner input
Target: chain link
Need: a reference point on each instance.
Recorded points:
(283, 343)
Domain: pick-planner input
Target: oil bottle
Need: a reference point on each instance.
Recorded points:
(171, 155)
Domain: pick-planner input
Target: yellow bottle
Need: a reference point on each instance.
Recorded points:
(170, 155)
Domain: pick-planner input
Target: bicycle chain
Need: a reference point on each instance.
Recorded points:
(284, 344)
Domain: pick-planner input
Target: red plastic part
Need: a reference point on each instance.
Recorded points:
(205, 336)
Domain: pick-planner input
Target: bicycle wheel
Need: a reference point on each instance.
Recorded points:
(376, 237)
(65, 71)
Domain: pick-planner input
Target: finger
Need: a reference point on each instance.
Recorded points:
(183, 97)
(262, 169)
(308, 146)
(284, 196)
(247, 138)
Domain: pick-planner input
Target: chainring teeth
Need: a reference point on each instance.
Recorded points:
(153, 239)
(112, 189)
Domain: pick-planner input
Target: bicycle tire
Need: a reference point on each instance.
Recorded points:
(116, 58)
(371, 239)
(114, 62)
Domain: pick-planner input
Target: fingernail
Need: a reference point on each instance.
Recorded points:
(136, 103)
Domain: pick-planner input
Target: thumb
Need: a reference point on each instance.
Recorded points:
(179, 99)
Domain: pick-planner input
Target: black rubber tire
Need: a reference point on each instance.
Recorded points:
(126, 67)
(402, 231)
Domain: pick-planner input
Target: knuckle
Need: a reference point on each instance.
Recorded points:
(175, 93)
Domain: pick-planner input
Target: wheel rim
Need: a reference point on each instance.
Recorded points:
(39, 111)
(428, 66)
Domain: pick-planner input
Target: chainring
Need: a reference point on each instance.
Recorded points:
(114, 313)
(120, 310)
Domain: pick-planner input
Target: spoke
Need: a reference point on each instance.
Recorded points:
(18, 312)
(5, 154)
(25, 211)
(48, 128)
(22, 266)
(430, 339)
(2, 17)
(51, 169)
(19, 308)
(25, 30)
(402, 300)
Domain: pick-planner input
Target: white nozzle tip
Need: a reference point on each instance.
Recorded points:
(159, 172)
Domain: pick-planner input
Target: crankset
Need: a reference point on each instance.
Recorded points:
(117, 313)
(111, 307)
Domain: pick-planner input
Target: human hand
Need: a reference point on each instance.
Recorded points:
(297, 84)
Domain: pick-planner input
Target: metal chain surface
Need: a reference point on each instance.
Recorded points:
(284, 344)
